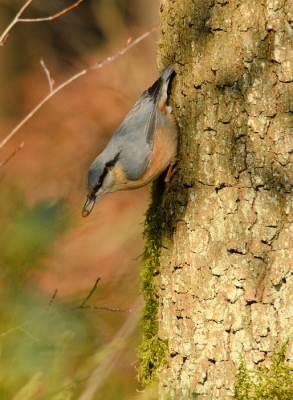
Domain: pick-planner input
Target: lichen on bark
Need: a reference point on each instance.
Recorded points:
(225, 277)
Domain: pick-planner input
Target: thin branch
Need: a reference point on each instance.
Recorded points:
(16, 19)
(83, 303)
(128, 46)
(34, 338)
(39, 106)
(73, 78)
(5, 34)
(51, 17)
(47, 72)
(15, 328)
(102, 371)
(12, 155)
(79, 307)
(30, 335)
(51, 301)
(91, 292)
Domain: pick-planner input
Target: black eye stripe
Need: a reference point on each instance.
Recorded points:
(97, 187)
(109, 164)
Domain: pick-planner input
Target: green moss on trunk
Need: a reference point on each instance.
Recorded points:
(153, 349)
(267, 383)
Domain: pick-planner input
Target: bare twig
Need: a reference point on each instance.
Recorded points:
(83, 303)
(12, 155)
(30, 335)
(16, 19)
(79, 307)
(102, 371)
(51, 301)
(47, 72)
(5, 34)
(128, 46)
(91, 292)
(52, 16)
(15, 328)
(34, 338)
(73, 78)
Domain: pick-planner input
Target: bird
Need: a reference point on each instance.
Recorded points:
(140, 150)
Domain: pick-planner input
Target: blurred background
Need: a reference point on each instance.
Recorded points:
(44, 242)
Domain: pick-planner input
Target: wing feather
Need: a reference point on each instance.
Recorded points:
(134, 139)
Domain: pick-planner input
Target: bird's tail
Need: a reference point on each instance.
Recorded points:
(167, 72)
(165, 77)
(161, 85)
(158, 93)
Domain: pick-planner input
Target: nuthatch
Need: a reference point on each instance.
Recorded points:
(140, 150)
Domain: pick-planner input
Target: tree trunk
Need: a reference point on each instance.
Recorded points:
(225, 281)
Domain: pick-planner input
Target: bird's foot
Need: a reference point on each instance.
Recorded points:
(171, 171)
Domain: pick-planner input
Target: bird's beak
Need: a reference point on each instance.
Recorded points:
(90, 201)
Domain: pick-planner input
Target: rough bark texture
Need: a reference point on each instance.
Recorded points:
(225, 281)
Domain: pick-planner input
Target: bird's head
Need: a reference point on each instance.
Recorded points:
(99, 181)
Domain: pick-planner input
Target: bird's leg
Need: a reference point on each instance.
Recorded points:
(171, 171)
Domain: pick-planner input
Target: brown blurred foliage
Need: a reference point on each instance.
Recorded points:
(62, 140)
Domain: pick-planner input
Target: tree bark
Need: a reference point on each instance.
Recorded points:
(225, 280)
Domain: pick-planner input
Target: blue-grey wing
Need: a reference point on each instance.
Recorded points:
(134, 139)
(135, 136)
